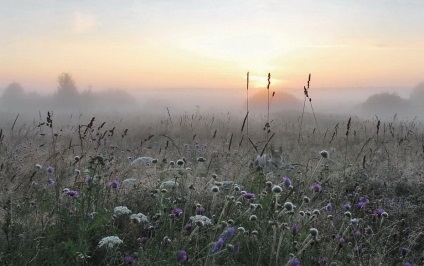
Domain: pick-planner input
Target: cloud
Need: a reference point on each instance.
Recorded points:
(83, 23)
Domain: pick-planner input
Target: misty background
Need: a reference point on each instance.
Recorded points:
(405, 103)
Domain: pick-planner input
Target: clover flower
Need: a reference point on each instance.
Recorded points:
(110, 242)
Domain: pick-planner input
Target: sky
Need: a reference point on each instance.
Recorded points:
(211, 45)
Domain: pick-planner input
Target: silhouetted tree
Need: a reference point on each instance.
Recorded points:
(67, 94)
(386, 104)
(13, 95)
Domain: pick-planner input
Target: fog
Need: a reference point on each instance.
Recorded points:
(364, 102)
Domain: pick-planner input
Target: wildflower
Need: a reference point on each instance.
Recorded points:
(253, 218)
(277, 189)
(313, 232)
(287, 182)
(114, 184)
(368, 230)
(268, 183)
(316, 212)
(182, 256)
(169, 184)
(90, 216)
(218, 245)
(362, 202)
(249, 196)
(215, 189)
(51, 182)
(200, 209)
(180, 162)
(404, 251)
(306, 199)
(354, 222)
(38, 166)
(227, 184)
(188, 227)
(139, 217)
(77, 158)
(72, 193)
(121, 210)
(295, 229)
(228, 233)
(316, 187)
(288, 206)
(110, 242)
(329, 207)
(129, 182)
(346, 205)
(409, 263)
(176, 212)
(348, 214)
(128, 260)
(241, 229)
(200, 218)
(49, 170)
(293, 262)
(378, 212)
(324, 154)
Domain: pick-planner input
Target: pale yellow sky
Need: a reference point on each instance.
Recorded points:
(139, 45)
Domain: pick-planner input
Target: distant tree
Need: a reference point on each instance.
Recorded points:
(385, 104)
(67, 94)
(13, 95)
(417, 93)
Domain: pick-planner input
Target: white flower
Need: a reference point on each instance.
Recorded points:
(201, 218)
(139, 217)
(110, 241)
(121, 210)
(169, 184)
(129, 182)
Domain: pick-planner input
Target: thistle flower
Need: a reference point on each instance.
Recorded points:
(293, 262)
(176, 212)
(287, 183)
(51, 182)
(378, 212)
(288, 206)
(362, 202)
(329, 207)
(253, 218)
(182, 256)
(313, 232)
(324, 154)
(228, 233)
(276, 189)
(316, 187)
(295, 229)
(215, 189)
(218, 245)
(50, 170)
(128, 260)
(114, 184)
(110, 242)
(249, 196)
(346, 205)
(72, 193)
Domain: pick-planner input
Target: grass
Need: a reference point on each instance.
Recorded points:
(360, 205)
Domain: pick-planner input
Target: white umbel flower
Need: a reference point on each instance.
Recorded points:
(121, 210)
(139, 217)
(110, 242)
(202, 219)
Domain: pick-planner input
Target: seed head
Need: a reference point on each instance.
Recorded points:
(277, 189)
(324, 154)
(313, 232)
(215, 189)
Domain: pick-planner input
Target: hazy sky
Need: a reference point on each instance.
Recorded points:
(212, 44)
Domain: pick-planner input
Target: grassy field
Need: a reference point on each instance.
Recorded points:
(349, 192)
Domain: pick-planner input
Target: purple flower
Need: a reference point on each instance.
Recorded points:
(404, 251)
(329, 207)
(182, 256)
(287, 182)
(409, 263)
(176, 212)
(295, 229)
(114, 184)
(90, 216)
(316, 187)
(49, 170)
(293, 262)
(378, 212)
(218, 245)
(128, 260)
(200, 210)
(346, 205)
(188, 227)
(51, 182)
(72, 193)
(362, 202)
(249, 196)
(228, 233)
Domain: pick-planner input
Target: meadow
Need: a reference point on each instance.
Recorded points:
(348, 191)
